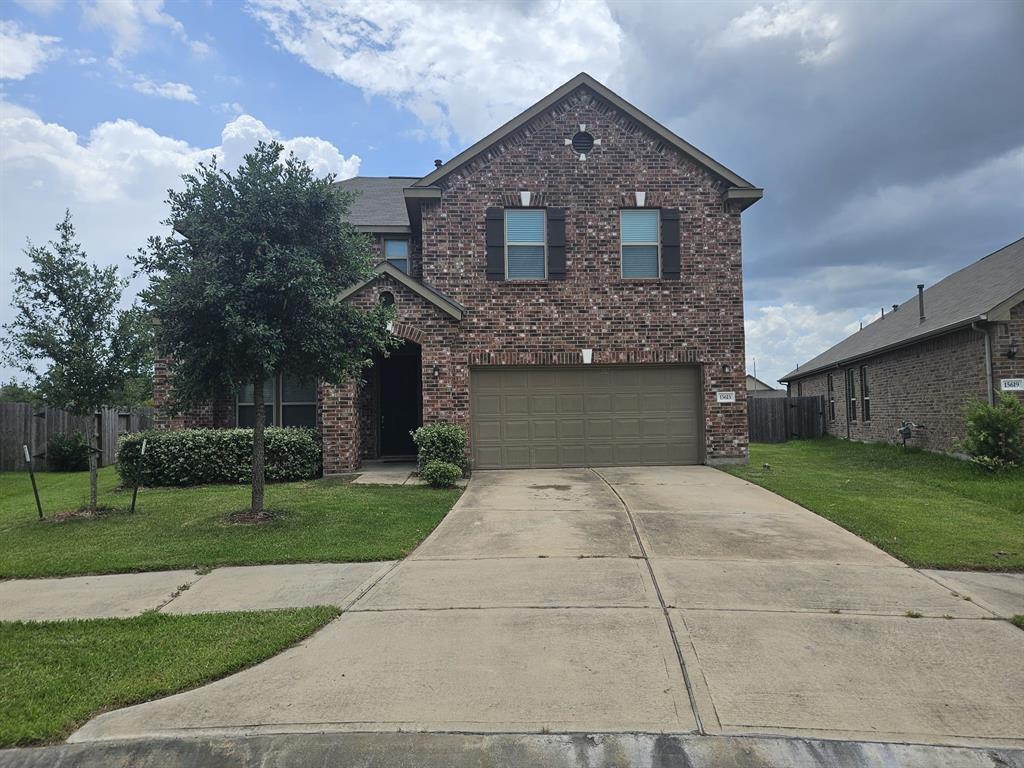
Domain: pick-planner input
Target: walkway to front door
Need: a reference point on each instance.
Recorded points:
(655, 600)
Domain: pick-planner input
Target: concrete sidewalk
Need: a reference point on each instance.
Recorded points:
(666, 601)
(247, 588)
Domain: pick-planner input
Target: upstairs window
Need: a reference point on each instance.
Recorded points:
(525, 244)
(865, 394)
(397, 254)
(640, 243)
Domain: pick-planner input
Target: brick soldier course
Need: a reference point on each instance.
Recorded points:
(692, 316)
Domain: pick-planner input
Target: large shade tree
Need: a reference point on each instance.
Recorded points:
(70, 334)
(247, 285)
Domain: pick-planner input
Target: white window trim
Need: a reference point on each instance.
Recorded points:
(623, 246)
(408, 251)
(543, 244)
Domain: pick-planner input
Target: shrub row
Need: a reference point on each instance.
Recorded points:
(203, 456)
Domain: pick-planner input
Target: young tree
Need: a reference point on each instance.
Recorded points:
(69, 334)
(247, 286)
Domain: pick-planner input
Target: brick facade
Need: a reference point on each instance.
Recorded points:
(695, 319)
(927, 383)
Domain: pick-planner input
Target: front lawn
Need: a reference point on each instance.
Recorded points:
(926, 509)
(322, 521)
(56, 675)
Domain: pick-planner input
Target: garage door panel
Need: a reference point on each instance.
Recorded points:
(579, 416)
(544, 429)
(515, 405)
(543, 404)
(572, 429)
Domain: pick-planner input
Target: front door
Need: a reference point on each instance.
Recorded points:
(400, 403)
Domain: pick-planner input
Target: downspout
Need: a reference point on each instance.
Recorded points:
(988, 362)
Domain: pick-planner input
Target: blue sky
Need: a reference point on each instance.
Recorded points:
(887, 136)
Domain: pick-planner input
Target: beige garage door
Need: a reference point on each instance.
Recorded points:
(585, 416)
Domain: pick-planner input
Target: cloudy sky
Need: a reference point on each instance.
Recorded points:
(889, 137)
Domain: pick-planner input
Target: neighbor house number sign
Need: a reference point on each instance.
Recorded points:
(1011, 385)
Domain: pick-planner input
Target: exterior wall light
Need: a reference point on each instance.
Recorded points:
(1011, 350)
(436, 370)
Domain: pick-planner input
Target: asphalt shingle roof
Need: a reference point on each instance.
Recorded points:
(956, 300)
(379, 200)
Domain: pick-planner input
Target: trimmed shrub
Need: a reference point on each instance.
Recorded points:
(205, 456)
(67, 452)
(441, 474)
(440, 442)
(994, 432)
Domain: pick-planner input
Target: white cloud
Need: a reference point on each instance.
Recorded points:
(231, 108)
(172, 91)
(817, 30)
(782, 336)
(23, 53)
(126, 21)
(456, 68)
(114, 180)
(42, 7)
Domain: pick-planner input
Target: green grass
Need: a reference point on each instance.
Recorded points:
(1018, 621)
(323, 521)
(926, 509)
(56, 675)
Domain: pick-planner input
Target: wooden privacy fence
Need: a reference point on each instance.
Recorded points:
(778, 419)
(26, 424)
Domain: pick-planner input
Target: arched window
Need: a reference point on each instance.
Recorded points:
(387, 299)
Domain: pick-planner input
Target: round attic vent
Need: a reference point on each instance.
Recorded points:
(582, 143)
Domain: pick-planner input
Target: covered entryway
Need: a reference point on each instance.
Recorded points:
(577, 416)
(401, 405)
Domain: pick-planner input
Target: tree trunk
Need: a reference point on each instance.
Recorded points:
(259, 423)
(90, 437)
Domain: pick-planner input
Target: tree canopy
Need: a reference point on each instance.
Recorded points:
(247, 285)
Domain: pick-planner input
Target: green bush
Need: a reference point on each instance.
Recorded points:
(440, 442)
(204, 456)
(994, 432)
(441, 474)
(67, 452)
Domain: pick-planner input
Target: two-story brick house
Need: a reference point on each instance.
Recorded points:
(924, 360)
(569, 289)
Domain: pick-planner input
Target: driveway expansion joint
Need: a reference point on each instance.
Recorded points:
(661, 600)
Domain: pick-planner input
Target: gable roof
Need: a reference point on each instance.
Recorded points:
(379, 203)
(750, 192)
(984, 290)
(754, 383)
(445, 304)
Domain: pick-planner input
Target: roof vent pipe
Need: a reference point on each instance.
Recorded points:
(920, 300)
(438, 163)
(895, 307)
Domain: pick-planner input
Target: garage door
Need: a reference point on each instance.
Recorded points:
(585, 416)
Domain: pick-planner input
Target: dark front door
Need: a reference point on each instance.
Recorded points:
(400, 403)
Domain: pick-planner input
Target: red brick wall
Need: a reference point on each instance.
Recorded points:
(218, 413)
(698, 318)
(927, 383)
(1004, 367)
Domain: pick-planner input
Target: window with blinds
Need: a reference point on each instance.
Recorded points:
(397, 254)
(525, 244)
(640, 243)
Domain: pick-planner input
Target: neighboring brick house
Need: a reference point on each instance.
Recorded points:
(569, 289)
(758, 388)
(924, 360)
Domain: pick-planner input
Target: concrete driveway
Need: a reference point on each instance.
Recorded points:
(669, 600)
